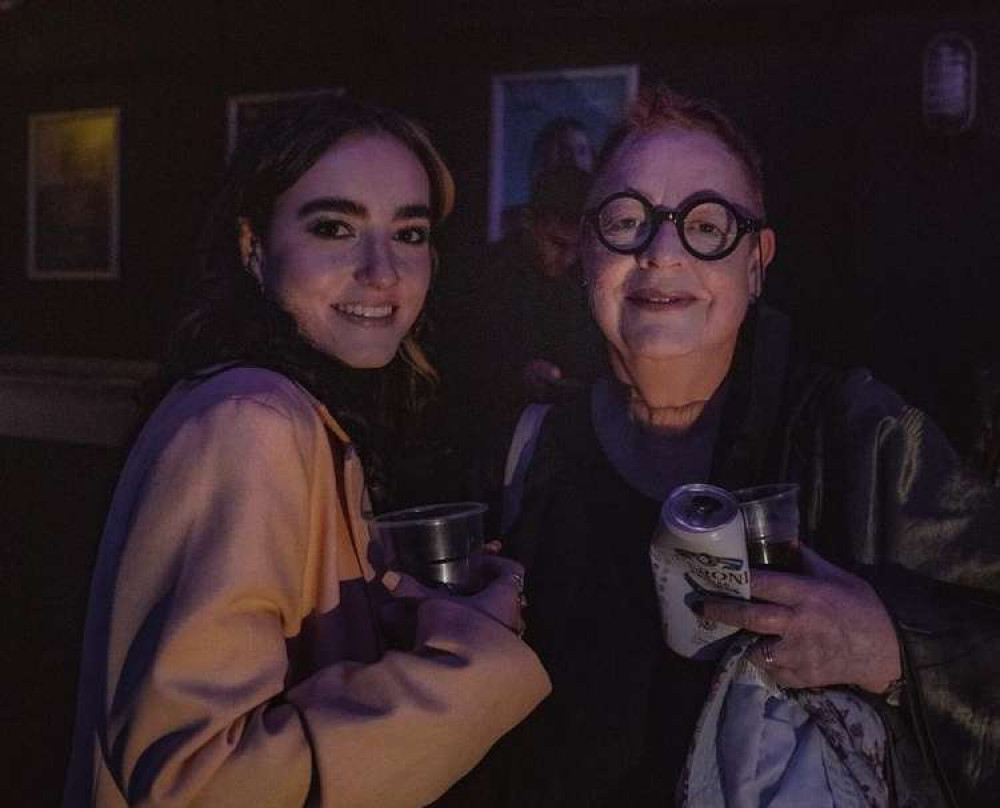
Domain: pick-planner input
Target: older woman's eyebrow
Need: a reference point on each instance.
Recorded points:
(412, 212)
(698, 196)
(333, 204)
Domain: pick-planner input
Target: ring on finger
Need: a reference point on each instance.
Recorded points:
(518, 580)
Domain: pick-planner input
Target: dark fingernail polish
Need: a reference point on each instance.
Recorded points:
(697, 606)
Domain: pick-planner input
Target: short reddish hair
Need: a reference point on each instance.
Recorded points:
(660, 107)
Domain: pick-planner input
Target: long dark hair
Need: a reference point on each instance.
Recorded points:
(229, 319)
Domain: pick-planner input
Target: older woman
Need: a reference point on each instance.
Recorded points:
(902, 606)
(235, 651)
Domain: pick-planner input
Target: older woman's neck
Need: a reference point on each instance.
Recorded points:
(668, 395)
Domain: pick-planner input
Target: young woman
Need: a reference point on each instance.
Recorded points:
(235, 650)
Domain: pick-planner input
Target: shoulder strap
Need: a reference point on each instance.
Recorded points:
(522, 447)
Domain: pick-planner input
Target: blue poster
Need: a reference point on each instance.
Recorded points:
(541, 120)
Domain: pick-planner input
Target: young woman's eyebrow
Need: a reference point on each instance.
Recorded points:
(333, 204)
(413, 212)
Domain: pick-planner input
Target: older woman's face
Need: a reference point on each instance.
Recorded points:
(347, 252)
(664, 303)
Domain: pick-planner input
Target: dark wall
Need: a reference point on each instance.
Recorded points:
(53, 499)
(924, 218)
(884, 249)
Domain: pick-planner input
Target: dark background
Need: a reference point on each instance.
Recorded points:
(887, 234)
(885, 249)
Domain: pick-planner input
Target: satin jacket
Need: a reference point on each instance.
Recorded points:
(234, 651)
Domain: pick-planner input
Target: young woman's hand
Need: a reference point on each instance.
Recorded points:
(501, 598)
(825, 628)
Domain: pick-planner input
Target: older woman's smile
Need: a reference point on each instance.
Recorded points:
(651, 299)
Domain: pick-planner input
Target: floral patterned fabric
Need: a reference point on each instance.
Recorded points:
(758, 744)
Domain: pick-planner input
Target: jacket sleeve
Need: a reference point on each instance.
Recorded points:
(210, 587)
(929, 535)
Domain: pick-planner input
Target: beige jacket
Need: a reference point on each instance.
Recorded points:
(225, 664)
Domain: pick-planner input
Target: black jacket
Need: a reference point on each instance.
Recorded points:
(882, 494)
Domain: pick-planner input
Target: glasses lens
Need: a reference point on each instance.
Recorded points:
(710, 229)
(623, 222)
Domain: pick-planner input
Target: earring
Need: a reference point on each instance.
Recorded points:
(252, 264)
(757, 285)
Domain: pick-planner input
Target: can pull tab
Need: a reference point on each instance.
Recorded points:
(703, 508)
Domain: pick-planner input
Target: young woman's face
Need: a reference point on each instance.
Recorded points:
(347, 252)
(663, 302)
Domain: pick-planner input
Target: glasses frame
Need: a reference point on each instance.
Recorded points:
(658, 215)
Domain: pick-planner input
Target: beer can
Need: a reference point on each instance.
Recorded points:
(699, 548)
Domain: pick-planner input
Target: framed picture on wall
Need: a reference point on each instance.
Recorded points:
(544, 119)
(73, 195)
(244, 112)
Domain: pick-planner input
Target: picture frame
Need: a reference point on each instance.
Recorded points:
(244, 112)
(73, 195)
(580, 106)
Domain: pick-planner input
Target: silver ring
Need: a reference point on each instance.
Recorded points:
(518, 580)
(768, 654)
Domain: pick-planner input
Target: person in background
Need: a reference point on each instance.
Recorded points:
(237, 651)
(563, 141)
(900, 601)
(528, 334)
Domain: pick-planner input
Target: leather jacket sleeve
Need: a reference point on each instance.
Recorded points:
(925, 534)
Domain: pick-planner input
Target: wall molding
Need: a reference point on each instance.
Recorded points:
(90, 401)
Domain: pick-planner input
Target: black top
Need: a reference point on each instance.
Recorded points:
(881, 494)
(617, 727)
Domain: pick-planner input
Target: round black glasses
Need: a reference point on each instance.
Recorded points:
(708, 227)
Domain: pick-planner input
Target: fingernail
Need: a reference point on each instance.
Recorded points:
(391, 580)
(697, 606)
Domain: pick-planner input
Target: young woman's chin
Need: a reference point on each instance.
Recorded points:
(365, 359)
(365, 351)
(361, 347)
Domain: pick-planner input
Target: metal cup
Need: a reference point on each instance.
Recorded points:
(771, 517)
(439, 545)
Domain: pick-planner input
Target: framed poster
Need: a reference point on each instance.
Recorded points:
(244, 112)
(73, 195)
(544, 119)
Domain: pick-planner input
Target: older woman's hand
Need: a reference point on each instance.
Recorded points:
(828, 627)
